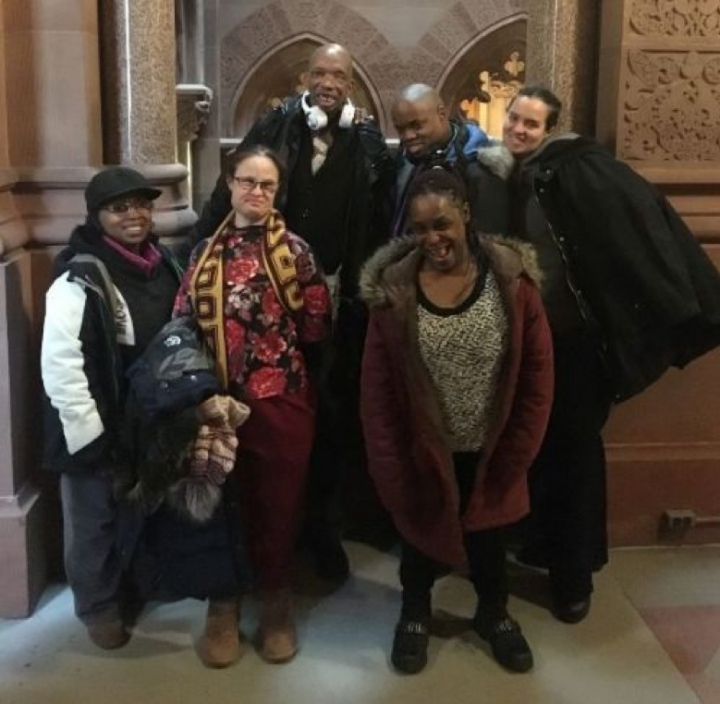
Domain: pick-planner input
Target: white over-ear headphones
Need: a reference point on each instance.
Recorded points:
(317, 119)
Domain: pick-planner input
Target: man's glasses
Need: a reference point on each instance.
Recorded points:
(120, 207)
(249, 184)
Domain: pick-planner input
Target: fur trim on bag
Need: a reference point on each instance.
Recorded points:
(194, 499)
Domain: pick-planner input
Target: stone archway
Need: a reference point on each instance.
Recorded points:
(280, 74)
(450, 46)
(245, 48)
(501, 54)
(462, 26)
(384, 68)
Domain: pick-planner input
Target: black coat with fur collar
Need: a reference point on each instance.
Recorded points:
(641, 280)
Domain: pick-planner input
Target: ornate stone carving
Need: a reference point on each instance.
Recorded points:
(672, 106)
(193, 109)
(676, 18)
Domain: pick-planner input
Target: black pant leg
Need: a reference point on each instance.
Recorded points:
(338, 436)
(486, 556)
(568, 479)
(417, 577)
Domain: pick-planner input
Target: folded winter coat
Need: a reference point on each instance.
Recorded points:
(167, 384)
(175, 372)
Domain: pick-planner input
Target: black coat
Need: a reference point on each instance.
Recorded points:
(89, 349)
(483, 166)
(370, 211)
(640, 278)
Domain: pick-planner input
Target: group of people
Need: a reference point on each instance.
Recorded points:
(458, 318)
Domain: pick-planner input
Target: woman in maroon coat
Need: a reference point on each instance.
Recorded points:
(456, 392)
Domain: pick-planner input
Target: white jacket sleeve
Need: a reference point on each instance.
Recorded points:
(63, 364)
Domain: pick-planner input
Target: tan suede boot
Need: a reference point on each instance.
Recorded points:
(277, 638)
(220, 646)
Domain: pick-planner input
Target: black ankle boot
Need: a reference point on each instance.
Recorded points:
(507, 642)
(571, 590)
(571, 611)
(410, 644)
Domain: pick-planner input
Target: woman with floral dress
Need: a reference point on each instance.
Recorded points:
(264, 308)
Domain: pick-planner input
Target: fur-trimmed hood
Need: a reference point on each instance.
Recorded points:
(496, 157)
(391, 270)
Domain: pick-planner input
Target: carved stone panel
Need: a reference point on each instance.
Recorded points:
(672, 106)
(676, 18)
(662, 72)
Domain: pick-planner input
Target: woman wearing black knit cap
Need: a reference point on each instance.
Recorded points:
(114, 289)
(455, 394)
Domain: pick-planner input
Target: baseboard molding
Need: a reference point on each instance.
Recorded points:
(646, 480)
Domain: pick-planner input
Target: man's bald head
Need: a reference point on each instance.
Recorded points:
(334, 52)
(421, 120)
(419, 92)
(329, 79)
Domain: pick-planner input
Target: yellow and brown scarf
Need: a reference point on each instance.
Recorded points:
(206, 287)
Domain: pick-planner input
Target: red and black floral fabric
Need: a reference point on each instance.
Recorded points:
(263, 340)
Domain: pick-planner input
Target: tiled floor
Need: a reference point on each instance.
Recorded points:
(677, 593)
(651, 638)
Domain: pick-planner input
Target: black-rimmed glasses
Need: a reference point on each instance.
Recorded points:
(246, 183)
(120, 207)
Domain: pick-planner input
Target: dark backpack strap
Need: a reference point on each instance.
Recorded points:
(107, 285)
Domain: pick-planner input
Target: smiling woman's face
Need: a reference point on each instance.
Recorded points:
(439, 224)
(525, 125)
(127, 220)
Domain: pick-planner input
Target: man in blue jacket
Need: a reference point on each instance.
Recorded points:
(430, 137)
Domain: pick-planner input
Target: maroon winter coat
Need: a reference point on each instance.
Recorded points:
(409, 457)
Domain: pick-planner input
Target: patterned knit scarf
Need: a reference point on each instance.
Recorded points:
(206, 287)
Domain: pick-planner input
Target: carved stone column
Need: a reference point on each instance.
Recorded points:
(659, 110)
(562, 55)
(139, 104)
(194, 102)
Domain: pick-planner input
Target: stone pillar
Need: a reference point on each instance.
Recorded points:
(562, 55)
(49, 146)
(205, 69)
(139, 104)
(660, 112)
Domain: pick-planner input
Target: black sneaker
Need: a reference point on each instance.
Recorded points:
(410, 644)
(507, 642)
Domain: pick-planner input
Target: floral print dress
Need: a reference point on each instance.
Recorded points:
(263, 341)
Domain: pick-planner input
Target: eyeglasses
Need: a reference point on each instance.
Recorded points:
(120, 207)
(249, 184)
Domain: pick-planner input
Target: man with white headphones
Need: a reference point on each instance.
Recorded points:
(338, 196)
